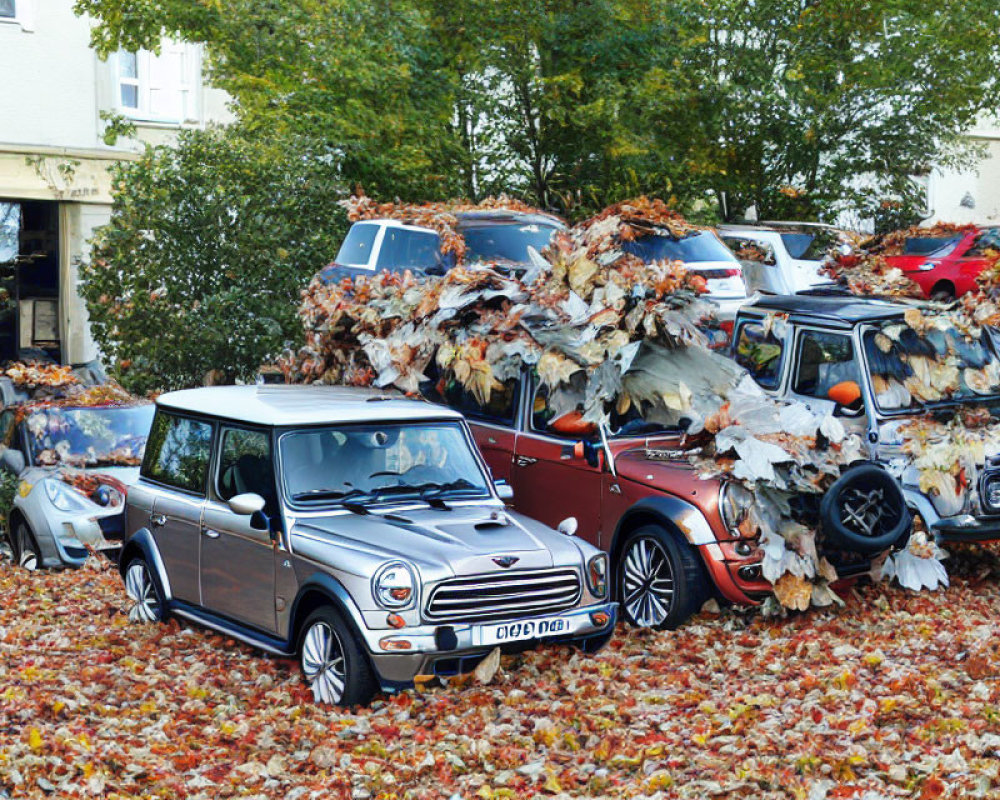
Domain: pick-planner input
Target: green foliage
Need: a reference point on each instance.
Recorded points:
(798, 107)
(8, 490)
(207, 249)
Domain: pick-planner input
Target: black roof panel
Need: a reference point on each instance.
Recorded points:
(847, 309)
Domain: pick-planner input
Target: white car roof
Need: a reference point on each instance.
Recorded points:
(301, 405)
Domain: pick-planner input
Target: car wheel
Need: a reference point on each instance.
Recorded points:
(943, 293)
(661, 582)
(864, 511)
(333, 663)
(24, 547)
(143, 591)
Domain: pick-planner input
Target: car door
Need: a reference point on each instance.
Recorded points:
(175, 472)
(824, 359)
(550, 481)
(237, 560)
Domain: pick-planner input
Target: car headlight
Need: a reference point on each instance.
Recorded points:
(733, 502)
(392, 585)
(597, 575)
(65, 498)
(991, 494)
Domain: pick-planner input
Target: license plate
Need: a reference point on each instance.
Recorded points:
(524, 629)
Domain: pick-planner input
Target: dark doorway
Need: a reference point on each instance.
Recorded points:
(29, 280)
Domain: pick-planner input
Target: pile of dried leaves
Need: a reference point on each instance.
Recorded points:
(35, 375)
(898, 697)
(611, 339)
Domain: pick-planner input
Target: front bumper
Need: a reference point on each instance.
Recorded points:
(966, 528)
(454, 649)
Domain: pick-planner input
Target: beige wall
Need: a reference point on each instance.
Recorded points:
(51, 145)
(979, 188)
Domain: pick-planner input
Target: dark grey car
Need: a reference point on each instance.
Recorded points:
(362, 533)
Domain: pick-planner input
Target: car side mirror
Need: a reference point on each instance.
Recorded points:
(246, 505)
(504, 490)
(13, 461)
(589, 452)
(568, 526)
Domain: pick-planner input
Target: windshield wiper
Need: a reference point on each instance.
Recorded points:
(329, 494)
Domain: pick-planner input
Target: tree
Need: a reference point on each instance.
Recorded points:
(208, 247)
(799, 107)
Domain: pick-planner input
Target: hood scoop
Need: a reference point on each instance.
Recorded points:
(496, 520)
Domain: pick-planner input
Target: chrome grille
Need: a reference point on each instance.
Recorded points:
(509, 595)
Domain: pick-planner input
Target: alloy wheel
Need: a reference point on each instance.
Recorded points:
(864, 511)
(139, 587)
(647, 583)
(323, 663)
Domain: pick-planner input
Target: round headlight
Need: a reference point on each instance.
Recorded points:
(64, 497)
(597, 575)
(392, 585)
(991, 493)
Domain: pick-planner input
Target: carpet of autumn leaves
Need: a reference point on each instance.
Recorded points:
(894, 696)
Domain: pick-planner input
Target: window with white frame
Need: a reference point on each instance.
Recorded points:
(159, 87)
(8, 9)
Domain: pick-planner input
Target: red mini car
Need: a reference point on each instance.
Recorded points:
(673, 538)
(947, 266)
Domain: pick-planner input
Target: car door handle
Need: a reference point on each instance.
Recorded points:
(490, 440)
(525, 461)
(210, 533)
(158, 520)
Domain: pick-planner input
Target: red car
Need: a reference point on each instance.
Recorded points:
(673, 538)
(946, 266)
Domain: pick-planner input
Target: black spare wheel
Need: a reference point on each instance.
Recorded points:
(864, 511)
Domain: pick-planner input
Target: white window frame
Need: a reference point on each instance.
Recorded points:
(24, 15)
(187, 86)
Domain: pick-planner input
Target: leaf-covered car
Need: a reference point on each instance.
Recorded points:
(676, 536)
(919, 385)
(362, 533)
(73, 457)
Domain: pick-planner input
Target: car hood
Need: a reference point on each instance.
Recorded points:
(461, 541)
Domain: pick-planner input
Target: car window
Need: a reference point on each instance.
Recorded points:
(811, 246)
(930, 245)
(356, 250)
(177, 452)
(505, 242)
(564, 423)
(988, 240)
(825, 359)
(404, 249)
(750, 250)
(701, 247)
(500, 408)
(759, 353)
(6, 427)
(245, 466)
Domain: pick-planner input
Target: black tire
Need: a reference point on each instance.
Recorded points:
(339, 672)
(144, 590)
(864, 511)
(650, 558)
(25, 549)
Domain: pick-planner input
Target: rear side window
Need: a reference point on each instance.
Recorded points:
(825, 359)
(405, 249)
(178, 451)
(356, 251)
(760, 354)
(500, 408)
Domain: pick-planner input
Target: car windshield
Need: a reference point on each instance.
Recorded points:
(930, 245)
(700, 247)
(911, 370)
(505, 242)
(809, 246)
(356, 250)
(358, 464)
(88, 437)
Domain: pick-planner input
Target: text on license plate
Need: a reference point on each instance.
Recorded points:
(525, 629)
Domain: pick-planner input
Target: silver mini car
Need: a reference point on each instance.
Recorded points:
(361, 532)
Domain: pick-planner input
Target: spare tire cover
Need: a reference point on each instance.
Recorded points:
(864, 511)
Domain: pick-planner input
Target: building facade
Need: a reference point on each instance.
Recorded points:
(969, 196)
(55, 188)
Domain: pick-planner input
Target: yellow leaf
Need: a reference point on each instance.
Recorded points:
(35, 740)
